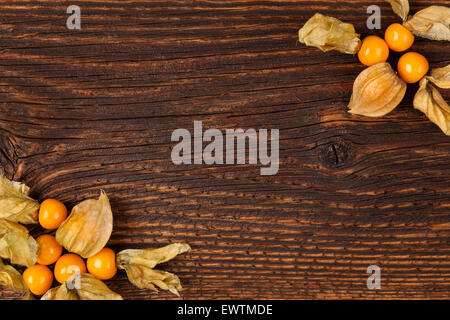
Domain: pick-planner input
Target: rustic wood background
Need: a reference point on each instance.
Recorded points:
(94, 109)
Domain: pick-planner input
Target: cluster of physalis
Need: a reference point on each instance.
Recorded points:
(379, 89)
(84, 235)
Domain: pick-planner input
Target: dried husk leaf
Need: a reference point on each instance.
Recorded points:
(7, 226)
(430, 101)
(16, 244)
(60, 293)
(15, 204)
(147, 278)
(151, 257)
(328, 33)
(377, 91)
(88, 227)
(29, 296)
(400, 7)
(440, 77)
(431, 23)
(139, 265)
(93, 289)
(87, 287)
(11, 278)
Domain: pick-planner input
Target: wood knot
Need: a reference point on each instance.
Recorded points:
(335, 154)
(8, 155)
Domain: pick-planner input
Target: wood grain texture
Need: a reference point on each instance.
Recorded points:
(94, 109)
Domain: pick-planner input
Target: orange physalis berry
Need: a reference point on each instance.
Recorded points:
(68, 265)
(52, 213)
(412, 67)
(103, 264)
(49, 249)
(373, 50)
(398, 38)
(38, 278)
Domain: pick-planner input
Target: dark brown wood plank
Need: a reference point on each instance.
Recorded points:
(95, 108)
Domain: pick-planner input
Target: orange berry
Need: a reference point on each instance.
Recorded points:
(68, 265)
(412, 67)
(373, 50)
(103, 264)
(38, 279)
(52, 213)
(398, 37)
(49, 249)
(36, 215)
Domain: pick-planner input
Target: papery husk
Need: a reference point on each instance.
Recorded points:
(400, 7)
(328, 33)
(29, 296)
(432, 23)
(151, 257)
(83, 287)
(7, 226)
(88, 227)
(440, 77)
(11, 278)
(430, 101)
(147, 278)
(16, 244)
(139, 264)
(60, 293)
(90, 288)
(15, 204)
(377, 91)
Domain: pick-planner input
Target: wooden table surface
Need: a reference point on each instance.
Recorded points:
(90, 109)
